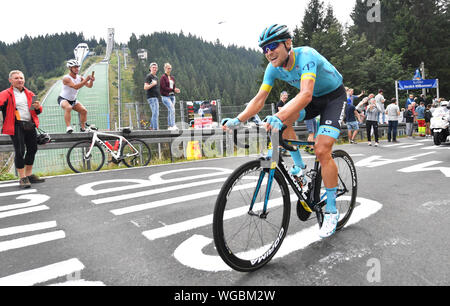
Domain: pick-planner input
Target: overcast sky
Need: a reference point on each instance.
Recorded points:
(241, 21)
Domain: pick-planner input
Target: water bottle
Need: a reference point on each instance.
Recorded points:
(108, 145)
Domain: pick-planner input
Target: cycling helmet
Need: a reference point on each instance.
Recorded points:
(72, 63)
(274, 33)
(43, 139)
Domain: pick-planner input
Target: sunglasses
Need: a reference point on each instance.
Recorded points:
(271, 47)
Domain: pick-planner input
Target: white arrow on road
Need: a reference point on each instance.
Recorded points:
(190, 253)
(427, 167)
(377, 161)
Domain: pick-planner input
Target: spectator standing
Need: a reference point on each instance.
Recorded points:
(373, 113)
(380, 103)
(352, 124)
(361, 108)
(20, 119)
(409, 101)
(67, 99)
(283, 99)
(313, 129)
(428, 115)
(352, 97)
(151, 86)
(168, 91)
(401, 117)
(409, 117)
(393, 113)
(420, 110)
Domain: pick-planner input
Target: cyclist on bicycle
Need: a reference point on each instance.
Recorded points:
(321, 93)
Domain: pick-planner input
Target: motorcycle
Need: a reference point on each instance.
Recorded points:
(440, 125)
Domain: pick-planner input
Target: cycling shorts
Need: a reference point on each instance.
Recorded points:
(331, 108)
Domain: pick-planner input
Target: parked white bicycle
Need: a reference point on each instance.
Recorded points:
(86, 156)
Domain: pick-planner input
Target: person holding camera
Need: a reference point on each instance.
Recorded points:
(373, 112)
(67, 99)
(20, 110)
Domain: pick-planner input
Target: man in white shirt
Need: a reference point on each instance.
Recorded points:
(392, 112)
(67, 99)
(380, 103)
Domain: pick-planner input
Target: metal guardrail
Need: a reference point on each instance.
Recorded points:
(60, 140)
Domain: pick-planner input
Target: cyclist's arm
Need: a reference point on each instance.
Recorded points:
(300, 102)
(255, 106)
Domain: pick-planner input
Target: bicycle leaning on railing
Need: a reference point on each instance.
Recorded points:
(252, 211)
(89, 155)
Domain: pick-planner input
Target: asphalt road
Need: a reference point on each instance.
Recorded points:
(152, 226)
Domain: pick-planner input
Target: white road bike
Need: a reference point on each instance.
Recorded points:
(86, 156)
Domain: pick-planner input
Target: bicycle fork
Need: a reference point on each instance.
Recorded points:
(270, 179)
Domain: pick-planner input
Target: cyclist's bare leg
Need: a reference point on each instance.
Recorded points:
(67, 112)
(323, 149)
(83, 114)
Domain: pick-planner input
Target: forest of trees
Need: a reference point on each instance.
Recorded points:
(369, 54)
(372, 55)
(202, 70)
(41, 57)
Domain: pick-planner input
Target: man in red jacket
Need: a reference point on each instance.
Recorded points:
(20, 121)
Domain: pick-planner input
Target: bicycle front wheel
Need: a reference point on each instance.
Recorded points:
(245, 238)
(347, 186)
(79, 160)
(136, 153)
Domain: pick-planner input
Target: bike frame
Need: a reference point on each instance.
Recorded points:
(307, 201)
(116, 155)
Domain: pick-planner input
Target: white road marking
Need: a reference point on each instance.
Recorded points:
(166, 202)
(154, 180)
(34, 199)
(427, 167)
(79, 283)
(411, 146)
(31, 240)
(13, 193)
(9, 184)
(27, 228)
(190, 254)
(184, 226)
(157, 177)
(44, 274)
(396, 145)
(155, 191)
(23, 211)
(377, 161)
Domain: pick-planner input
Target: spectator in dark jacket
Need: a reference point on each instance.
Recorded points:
(409, 117)
(168, 91)
(20, 121)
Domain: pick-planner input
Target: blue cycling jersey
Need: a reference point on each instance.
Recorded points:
(308, 64)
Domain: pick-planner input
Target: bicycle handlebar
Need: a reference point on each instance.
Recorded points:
(282, 143)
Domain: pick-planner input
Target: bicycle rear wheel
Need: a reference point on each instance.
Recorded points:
(244, 238)
(347, 186)
(136, 153)
(79, 162)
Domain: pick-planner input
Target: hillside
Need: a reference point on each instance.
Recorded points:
(41, 57)
(202, 70)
